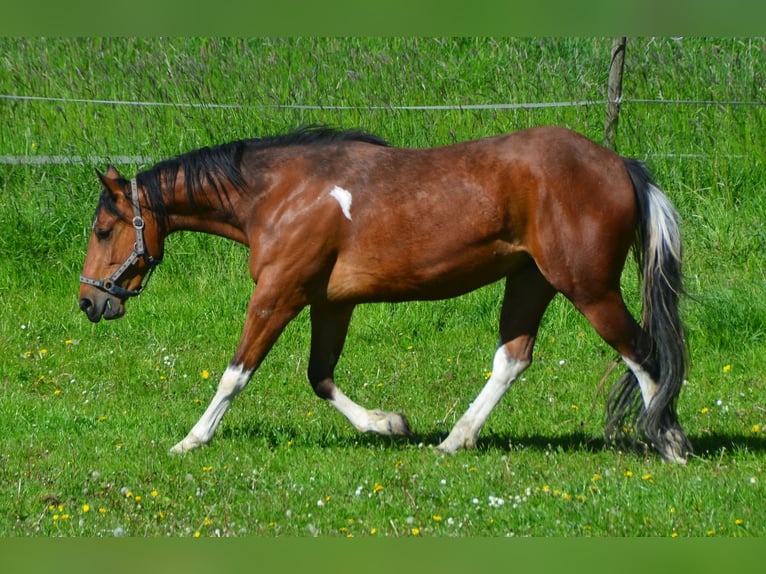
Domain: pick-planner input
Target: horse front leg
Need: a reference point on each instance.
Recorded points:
(267, 317)
(329, 325)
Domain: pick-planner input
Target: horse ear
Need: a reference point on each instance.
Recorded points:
(111, 179)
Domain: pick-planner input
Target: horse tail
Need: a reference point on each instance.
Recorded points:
(658, 251)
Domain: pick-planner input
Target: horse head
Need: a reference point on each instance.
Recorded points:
(119, 258)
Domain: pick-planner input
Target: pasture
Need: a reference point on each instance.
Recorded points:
(89, 411)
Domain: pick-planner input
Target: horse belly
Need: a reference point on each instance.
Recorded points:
(377, 278)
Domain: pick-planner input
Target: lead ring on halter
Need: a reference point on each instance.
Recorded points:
(139, 252)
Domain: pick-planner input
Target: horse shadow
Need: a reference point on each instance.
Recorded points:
(708, 446)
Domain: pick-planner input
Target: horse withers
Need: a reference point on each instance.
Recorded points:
(334, 219)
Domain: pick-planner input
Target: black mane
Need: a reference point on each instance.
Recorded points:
(221, 163)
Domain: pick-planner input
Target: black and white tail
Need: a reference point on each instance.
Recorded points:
(659, 255)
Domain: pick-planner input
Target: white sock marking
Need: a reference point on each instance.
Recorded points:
(645, 382)
(233, 381)
(343, 197)
(505, 370)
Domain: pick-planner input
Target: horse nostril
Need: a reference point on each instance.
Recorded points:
(85, 304)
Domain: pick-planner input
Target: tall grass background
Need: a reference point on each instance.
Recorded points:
(88, 412)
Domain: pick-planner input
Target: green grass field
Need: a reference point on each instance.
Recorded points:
(88, 412)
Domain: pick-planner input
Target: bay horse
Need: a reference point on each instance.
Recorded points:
(336, 218)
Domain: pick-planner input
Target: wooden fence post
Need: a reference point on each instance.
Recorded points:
(614, 91)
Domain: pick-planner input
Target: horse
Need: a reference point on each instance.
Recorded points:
(337, 218)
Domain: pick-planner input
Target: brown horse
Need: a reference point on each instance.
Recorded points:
(338, 218)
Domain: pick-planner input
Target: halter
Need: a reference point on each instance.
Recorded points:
(139, 252)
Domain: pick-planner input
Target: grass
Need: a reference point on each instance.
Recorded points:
(88, 412)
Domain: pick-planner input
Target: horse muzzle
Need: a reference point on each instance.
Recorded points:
(100, 305)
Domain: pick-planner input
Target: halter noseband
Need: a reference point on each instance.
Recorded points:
(139, 252)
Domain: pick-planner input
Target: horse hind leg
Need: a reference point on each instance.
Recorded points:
(637, 400)
(527, 295)
(329, 325)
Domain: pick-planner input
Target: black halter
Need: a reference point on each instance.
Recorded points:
(139, 252)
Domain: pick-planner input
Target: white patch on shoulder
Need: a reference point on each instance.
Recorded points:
(343, 197)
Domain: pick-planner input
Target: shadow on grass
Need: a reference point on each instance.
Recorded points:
(709, 446)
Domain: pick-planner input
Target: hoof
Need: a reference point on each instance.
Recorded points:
(188, 443)
(392, 424)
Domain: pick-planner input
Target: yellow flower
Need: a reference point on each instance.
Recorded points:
(373, 530)
(207, 468)
(437, 517)
(154, 493)
(726, 368)
(628, 473)
(565, 496)
(205, 374)
(197, 534)
(377, 488)
(739, 522)
(34, 146)
(756, 428)
(648, 477)
(674, 535)
(596, 477)
(703, 410)
(415, 531)
(86, 508)
(102, 510)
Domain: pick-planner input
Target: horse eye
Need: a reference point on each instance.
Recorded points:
(103, 234)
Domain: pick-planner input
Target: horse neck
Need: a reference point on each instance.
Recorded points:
(208, 209)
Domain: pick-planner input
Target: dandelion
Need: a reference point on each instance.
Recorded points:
(33, 146)
(674, 535)
(69, 342)
(43, 352)
(86, 507)
(739, 522)
(197, 534)
(628, 473)
(726, 368)
(703, 410)
(154, 494)
(648, 477)
(207, 468)
(756, 428)
(415, 531)
(373, 531)
(710, 532)
(596, 477)
(205, 374)
(436, 517)
(377, 488)
(101, 510)
(566, 496)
